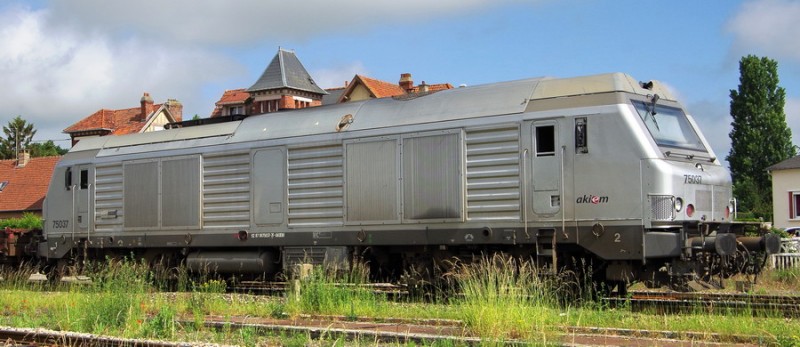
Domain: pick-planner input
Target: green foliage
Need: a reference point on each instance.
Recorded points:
(760, 136)
(790, 276)
(18, 131)
(46, 149)
(28, 221)
(162, 325)
(504, 298)
(332, 291)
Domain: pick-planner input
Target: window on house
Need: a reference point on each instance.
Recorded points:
(794, 205)
(236, 110)
(3, 185)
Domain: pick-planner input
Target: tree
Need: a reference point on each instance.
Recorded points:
(18, 131)
(760, 136)
(46, 149)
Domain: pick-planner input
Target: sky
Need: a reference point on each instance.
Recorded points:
(62, 60)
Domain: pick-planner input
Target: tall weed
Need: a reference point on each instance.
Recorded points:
(503, 298)
(327, 290)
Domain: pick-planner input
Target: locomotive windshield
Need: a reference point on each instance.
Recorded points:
(669, 126)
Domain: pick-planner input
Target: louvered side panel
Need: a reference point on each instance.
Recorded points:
(493, 170)
(108, 198)
(315, 186)
(226, 190)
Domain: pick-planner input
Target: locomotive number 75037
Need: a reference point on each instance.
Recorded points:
(692, 179)
(60, 224)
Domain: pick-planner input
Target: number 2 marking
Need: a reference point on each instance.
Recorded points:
(616, 237)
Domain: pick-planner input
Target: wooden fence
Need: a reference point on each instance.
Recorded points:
(789, 255)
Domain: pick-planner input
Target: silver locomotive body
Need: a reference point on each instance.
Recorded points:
(595, 167)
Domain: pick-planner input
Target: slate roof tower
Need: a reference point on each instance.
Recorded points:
(285, 84)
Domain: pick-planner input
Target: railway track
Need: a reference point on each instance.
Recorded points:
(719, 303)
(257, 287)
(42, 337)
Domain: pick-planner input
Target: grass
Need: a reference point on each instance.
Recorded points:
(505, 299)
(500, 299)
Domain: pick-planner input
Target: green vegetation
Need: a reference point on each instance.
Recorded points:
(499, 299)
(760, 136)
(28, 221)
(19, 137)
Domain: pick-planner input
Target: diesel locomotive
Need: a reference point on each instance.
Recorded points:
(601, 169)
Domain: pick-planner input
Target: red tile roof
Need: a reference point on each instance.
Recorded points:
(435, 87)
(233, 96)
(230, 97)
(118, 122)
(378, 88)
(383, 89)
(27, 186)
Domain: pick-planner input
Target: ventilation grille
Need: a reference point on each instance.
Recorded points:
(226, 190)
(722, 196)
(315, 186)
(493, 184)
(661, 208)
(108, 198)
(317, 256)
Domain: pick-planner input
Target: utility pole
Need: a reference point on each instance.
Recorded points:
(16, 143)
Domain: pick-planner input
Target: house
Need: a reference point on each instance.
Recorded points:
(362, 88)
(786, 193)
(233, 102)
(285, 84)
(23, 184)
(145, 118)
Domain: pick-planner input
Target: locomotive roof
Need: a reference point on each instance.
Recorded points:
(460, 103)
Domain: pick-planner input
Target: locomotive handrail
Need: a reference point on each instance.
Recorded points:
(525, 197)
(74, 202)
(90, 211)
(561, 199)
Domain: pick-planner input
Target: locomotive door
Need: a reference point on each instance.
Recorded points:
(83, 197)
(546, 168)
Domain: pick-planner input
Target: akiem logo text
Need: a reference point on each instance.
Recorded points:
(592, 199)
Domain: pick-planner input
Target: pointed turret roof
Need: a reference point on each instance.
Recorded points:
(286, 71)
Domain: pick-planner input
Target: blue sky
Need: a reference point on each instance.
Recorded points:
(61, 60)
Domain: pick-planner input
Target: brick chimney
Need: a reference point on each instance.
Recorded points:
(147, 106)
(175, 109)
(406, 82)
(23, 159)
(423, 88)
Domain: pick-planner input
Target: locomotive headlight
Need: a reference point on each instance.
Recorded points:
(678, 204)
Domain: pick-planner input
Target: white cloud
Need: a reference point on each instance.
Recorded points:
(336, 76)
(246, 21)
(769, 27)
(54, 78)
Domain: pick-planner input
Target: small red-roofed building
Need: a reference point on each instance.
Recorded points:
(233, 102)
(362, 88)
(23, 185)
(145, 118)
